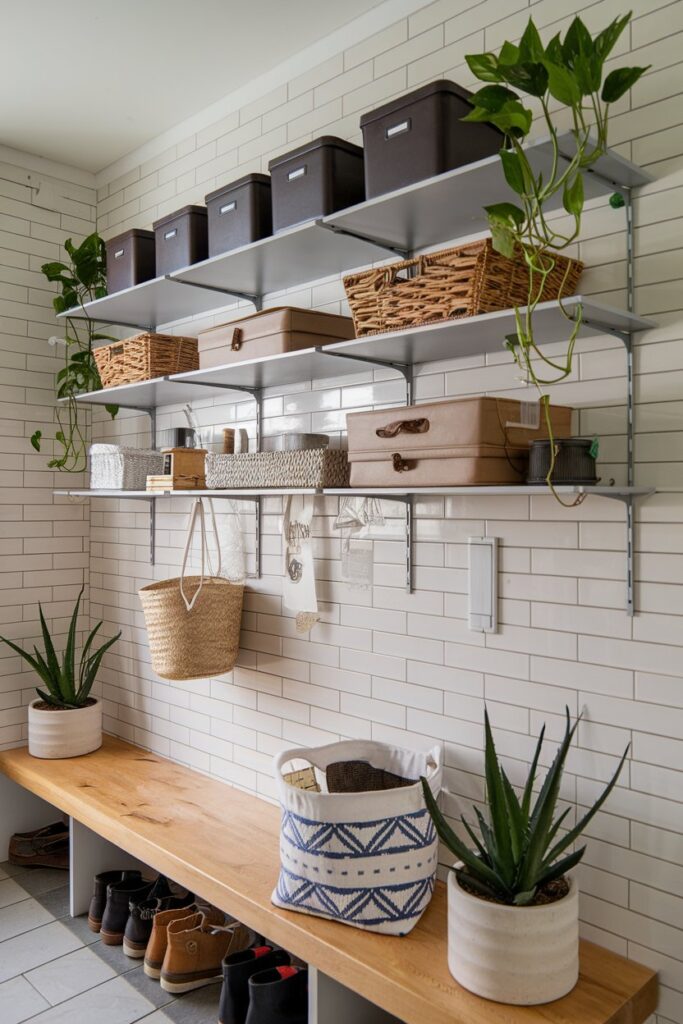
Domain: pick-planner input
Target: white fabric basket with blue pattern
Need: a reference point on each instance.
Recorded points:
(367, 858)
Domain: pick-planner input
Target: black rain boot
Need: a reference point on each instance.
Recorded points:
(238, 968)
(99, 894)
(278, 996)
(117, 910)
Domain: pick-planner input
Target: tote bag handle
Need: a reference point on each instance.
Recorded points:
(197, 516)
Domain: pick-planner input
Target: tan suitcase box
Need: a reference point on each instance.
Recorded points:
(454, 443)
(271, 332)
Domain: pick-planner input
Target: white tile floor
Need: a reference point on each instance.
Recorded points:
(54, 970)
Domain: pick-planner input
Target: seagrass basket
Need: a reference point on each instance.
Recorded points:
(311, 467)
(144, 357)
(448, 285)
(196, 644)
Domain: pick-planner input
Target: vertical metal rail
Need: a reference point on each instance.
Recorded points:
(628, 345)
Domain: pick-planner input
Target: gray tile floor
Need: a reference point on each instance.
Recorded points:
(54, 970)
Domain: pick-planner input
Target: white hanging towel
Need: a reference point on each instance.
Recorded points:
(298, 588)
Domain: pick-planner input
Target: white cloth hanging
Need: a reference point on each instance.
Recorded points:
(298, 588)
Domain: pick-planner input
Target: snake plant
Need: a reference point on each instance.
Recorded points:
(521, 847)
(564, 80)
(65, 686)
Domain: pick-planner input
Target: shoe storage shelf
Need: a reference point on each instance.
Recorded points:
(127, 806)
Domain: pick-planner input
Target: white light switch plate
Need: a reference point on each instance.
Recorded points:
(483, 584)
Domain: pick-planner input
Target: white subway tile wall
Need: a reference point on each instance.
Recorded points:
(381, 663)
(44, 542)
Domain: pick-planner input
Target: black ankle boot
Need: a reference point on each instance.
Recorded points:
(278, 996)
(117, 910)
(238, 968)
(142, 913)
(99, 894)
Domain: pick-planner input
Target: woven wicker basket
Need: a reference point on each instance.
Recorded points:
(448, 285)
(113, 467)
(314, 467)
(144, 357)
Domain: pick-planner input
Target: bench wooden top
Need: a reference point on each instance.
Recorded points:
(224, 845)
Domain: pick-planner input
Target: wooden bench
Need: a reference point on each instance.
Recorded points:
(223, 844)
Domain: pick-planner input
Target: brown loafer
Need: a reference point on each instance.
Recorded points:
(46, 847)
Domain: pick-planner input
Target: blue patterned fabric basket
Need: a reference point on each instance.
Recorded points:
(365, 858)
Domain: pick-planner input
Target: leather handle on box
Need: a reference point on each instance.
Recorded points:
(400, 464)
(236, 342)
(416, 426)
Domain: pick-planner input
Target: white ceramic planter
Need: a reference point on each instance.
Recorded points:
(53, 734)
(518, 955)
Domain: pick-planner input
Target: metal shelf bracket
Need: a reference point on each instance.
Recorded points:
(337, 229)
(254, 298)
(404, 369)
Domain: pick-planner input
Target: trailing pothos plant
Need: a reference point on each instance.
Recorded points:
(82, 279)
(568, 75)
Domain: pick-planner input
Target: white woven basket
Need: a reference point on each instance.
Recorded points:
(122, 469)
(315, 467)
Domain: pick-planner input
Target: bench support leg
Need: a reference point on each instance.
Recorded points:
(332, 1003)
(90, 854)
(21, 811)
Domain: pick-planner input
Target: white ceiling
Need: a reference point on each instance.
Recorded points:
(84, 82)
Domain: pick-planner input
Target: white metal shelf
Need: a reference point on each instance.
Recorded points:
(451, 339)
(306, 252)
(245, 493)
(451, 205)
(159, 301)
(597, 491)
(439, 209)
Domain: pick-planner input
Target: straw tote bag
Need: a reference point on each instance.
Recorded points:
(193, 622)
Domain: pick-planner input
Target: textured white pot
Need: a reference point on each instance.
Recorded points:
(518, 955)
(69, 733)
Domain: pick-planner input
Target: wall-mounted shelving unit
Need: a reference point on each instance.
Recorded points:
(416, 217)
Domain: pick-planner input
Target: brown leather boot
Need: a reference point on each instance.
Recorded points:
(158, 940)
(195, 951)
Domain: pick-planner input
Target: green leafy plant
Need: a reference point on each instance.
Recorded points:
(520, 848)
(566, 74)
(65, 686)
(81, 280)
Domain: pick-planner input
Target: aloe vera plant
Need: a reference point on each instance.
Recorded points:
(520, 848)
(65, 686)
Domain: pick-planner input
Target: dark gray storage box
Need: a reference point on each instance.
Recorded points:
(420, 135)
(239, 213)
(181, 239)
(318, 178)
(130, 259)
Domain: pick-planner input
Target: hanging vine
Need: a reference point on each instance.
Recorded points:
(568, 72)
(82, 280)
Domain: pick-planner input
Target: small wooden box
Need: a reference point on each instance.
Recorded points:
(183, 471)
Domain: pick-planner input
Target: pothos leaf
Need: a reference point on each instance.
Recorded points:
(619, 81)
(572, 198)
(35, 439)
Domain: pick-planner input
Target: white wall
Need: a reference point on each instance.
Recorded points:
(43, 541)
(405, 668)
